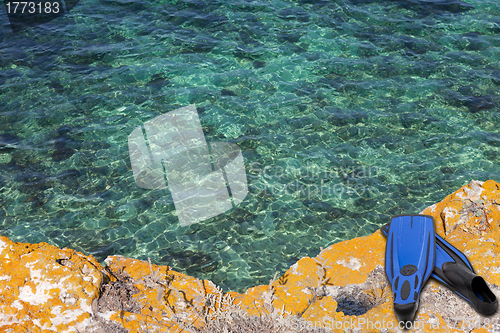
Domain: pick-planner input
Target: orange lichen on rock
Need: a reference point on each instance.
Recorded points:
(301, 289)
(165, 296)
(306, 287)
(469, 219)
(46, 289)
(345, 264)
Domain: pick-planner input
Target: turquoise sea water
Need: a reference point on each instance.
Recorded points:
(346, 112)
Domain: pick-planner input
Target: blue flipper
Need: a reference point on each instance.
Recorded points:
(409, 261)
(453, 269)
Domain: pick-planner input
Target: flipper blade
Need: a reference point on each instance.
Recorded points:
(409, 261)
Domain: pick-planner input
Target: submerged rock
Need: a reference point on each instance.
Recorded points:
(61, 154)
(226, 92)
(158, 81)
(427, 7)
(476, 104)
(258, 64)
(7, 142)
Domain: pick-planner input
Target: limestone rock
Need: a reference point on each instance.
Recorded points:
(47, 289)
(44, 288)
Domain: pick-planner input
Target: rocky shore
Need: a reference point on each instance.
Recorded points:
(344, 289)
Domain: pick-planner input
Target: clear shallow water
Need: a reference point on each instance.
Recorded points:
(346, 112)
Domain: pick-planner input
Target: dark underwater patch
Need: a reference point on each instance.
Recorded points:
(491, 155)
(246, 53)
(129, 5)
(479, 103)
(121, 246)
(189, 261)
(209, 21)
(57, 86)
(298, 123)
(69, 180)
(493, 139)
(495, 77)
(198, 47)
(61, 154)
(240, 215)
(332, 213)
(473, 103)
(247, 36)
(158, 81)
(226, 92)
(427, 7)
(446, 170)
(13, 55)
(7, 141)
(258, 64)
(87, 57)
(289, 37)
(293, 14)
(335, 213)
(344, 119)
(366, 204)
(473, 42)
(33, 184)
(36, 200)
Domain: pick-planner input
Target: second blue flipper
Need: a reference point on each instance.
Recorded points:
(453, 269)
(409, 261)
